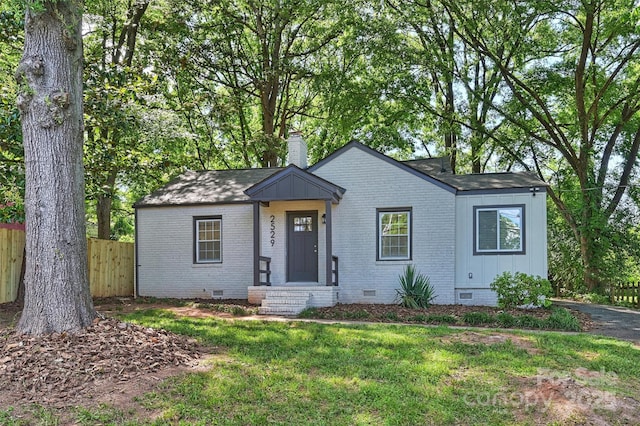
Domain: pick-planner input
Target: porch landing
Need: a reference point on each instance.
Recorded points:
(291, 299)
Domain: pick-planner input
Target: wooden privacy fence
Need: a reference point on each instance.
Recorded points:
(11, 251)
(111, 266)
(626, 292)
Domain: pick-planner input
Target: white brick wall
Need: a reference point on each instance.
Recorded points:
(165, 253)
(372, 183)
(442, 238)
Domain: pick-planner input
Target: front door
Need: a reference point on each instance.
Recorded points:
(302, 246)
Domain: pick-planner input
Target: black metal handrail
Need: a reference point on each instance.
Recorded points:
(266, 271)
(334, 270)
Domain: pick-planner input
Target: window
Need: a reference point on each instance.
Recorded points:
(208, 240)
(303, 224)
(499, 230)
(394, 234)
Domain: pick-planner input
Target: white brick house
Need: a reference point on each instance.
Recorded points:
(340, 231)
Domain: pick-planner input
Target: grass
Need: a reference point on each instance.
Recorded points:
(308, 373)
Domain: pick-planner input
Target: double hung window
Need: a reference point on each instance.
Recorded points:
(394, 234)
(208, 240)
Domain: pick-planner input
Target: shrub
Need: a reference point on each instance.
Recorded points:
(505, 319)
(475, 318)
(392, 316)
(415, 290)
(359, 314)
(596, 298)
(528, 321)
(310, 313)
(521, 289)
(239, 311)
(418, 318)
(562, 319)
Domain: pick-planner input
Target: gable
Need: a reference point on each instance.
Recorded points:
(293, 183)
(402, 168)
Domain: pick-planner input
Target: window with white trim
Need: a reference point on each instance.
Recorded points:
(394, 234)
(208, 240)
(499, 230)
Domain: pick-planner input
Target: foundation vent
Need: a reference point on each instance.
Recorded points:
(217, 293)
(369, 293)
(465, 296)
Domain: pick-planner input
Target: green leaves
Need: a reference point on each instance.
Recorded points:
(415, 290)
(519, 289)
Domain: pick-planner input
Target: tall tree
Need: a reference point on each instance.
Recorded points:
(452, 83)
(245, 68)
(571, 68)
(57, 295)
(114, 89)
(11, 153)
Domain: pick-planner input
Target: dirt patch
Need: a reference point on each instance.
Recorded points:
(473, 338)
(578, 397)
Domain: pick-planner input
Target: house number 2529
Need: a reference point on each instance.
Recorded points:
(272, 230)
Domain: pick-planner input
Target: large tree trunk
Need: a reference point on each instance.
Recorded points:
(103, 207)
(57, 295)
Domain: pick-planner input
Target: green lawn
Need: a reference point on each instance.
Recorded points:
(307, 373)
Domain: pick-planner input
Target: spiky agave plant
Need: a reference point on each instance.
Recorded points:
(415, 289)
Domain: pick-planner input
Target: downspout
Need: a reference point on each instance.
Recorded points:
(136, 274)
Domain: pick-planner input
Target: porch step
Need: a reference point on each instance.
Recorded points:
(281, 300)
(284, 302)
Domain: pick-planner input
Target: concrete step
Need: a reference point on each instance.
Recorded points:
(294, 301)
(284, 302)
(287, 293)
(281, 310)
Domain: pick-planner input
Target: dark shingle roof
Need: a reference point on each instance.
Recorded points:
(228, 186)
(474, 182)
(216, 186)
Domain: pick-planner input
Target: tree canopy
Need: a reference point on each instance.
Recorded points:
(549, 87)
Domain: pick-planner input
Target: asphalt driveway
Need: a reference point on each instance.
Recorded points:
(612, 321)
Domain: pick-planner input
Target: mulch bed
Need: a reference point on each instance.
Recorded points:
(434, 314)
(57, 368)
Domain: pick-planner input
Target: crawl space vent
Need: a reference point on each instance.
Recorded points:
(465, 296)
(216, 293)
(369, 293)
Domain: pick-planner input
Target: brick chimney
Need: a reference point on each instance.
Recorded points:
(297, 150)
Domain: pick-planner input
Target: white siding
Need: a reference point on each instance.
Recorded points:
(165, 253)
(372, 183)
(474, 273)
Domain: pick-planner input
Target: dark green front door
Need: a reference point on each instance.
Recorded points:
(302, 246)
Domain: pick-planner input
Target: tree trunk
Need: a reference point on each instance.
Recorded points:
(103, 212)
(57, 295)
(103, 207)
(589, 270)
